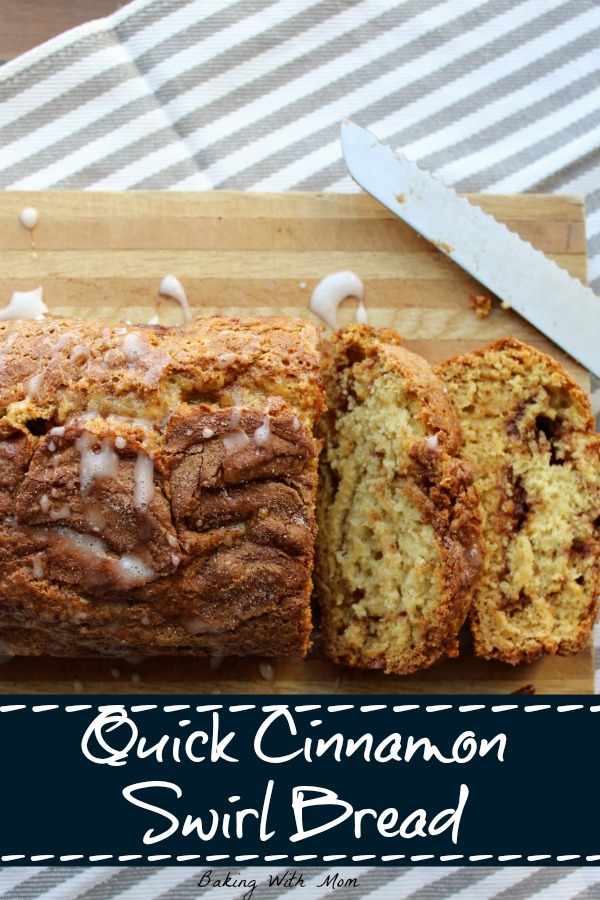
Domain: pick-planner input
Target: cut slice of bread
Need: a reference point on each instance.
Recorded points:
(399, 543)
(528, 427)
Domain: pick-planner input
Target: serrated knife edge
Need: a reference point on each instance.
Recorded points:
(568, 313)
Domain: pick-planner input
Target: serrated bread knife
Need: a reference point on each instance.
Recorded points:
(533, 285)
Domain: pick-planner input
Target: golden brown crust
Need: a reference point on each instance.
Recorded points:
(157, 487)
(371, 382)
(529, 427)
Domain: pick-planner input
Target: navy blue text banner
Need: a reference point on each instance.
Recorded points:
(299, 780)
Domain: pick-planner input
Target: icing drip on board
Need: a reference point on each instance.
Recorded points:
(331, 291)
(173, 288)
(29, 218)
(25, 305)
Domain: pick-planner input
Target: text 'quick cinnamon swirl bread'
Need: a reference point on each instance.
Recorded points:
(399, 529)
(529, 428)
(157, 487)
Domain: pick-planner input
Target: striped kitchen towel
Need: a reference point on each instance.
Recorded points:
(499, 96)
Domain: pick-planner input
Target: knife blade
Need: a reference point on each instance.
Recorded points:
(533, 285)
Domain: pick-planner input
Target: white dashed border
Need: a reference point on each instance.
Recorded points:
(313, 857)
(311, 707)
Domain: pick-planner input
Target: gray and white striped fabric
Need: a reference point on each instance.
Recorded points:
(500, 96)
(444, 883)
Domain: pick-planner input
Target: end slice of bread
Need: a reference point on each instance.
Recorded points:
(528, 427)
(399, 528)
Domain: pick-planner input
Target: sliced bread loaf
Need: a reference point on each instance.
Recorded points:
(528, 427)
(399, 543)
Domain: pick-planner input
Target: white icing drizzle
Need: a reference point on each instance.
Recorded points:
(63, 513)
(262, 435)
(133, 570)
(103, 464)
(25, 305)
(120, 443)
(173, 542)
(44, 503)
(236, 416)
(57, 431)
(224, 359)
(64, 340)
(234, 441)
(133, 347)
(296, 423)
(79, 352)
(136, 350)
(79, 616)
(128, 571)
(432, 442)
(206, 433)
(173, 288)
(29, 218)
(199, 625)
(267, 671)
(143, 474)
(93, 516)
(361, 313)
(38, 566)
(33, 386)
(330, 292)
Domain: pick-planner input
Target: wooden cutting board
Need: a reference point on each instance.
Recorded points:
(103, 256)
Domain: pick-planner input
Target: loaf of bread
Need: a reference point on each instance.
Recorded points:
(399, 528)
(529, 428)
(157, 487)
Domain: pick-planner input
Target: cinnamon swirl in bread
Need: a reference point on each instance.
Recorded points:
(529, 428)
(399, 528)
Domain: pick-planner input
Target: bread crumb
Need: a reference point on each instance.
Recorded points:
(526, 689)
(482, 304)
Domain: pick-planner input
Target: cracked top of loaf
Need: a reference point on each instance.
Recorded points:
(157, 486)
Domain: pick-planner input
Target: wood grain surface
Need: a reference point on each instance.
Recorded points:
(102, 256)
(27, 23)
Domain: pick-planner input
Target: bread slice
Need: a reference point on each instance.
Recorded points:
(529, 428)
(399, 529)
